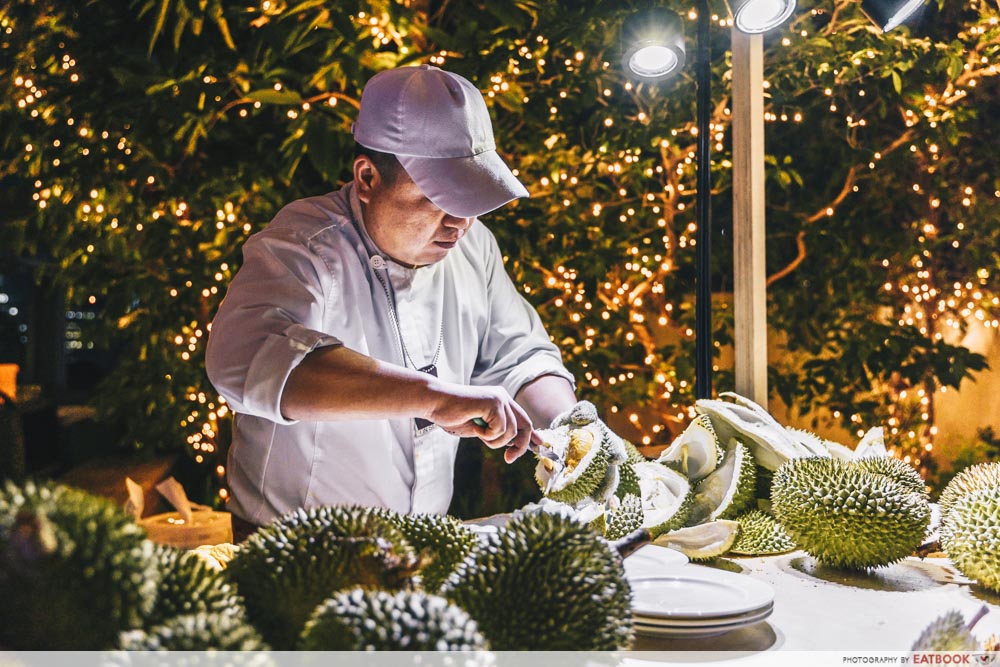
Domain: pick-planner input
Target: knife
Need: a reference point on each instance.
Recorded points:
(544, 452)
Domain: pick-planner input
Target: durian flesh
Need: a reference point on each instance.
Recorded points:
(584, 458)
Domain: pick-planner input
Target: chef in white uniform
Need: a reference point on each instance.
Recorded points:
(369, 327)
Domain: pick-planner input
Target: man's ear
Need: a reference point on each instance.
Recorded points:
(366, 177)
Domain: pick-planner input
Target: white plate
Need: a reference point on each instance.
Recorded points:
(697, 631)
(709, 620)
(652, 560)
(697, 592)
(763, 612)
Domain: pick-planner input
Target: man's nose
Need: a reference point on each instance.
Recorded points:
(457, 223)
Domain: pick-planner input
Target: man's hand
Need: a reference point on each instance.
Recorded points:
(454, 408)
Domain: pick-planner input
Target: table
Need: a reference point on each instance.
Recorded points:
(822, 609)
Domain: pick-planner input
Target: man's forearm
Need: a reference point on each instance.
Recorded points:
(335, 383)
(545, 398)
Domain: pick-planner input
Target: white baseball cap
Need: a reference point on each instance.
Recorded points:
(437, 124)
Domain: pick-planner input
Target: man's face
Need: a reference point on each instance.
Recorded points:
(402, 222)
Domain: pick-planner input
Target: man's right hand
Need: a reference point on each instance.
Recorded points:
(454, 408)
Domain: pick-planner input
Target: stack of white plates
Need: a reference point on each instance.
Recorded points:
(684, 600)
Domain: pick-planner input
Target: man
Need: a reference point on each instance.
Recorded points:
(370, 328)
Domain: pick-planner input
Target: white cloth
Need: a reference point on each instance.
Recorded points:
(307, 282)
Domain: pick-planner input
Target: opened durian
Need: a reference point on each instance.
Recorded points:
(666, 497)
(75, 570)
(704, 541)
(360, 620)
(970, 534)
(197, 632)
(846, 516)
(695, 452)
(288, 567)
(728, 490)
(761, 535)
(585, 462)
(771, 444)
(545, 582)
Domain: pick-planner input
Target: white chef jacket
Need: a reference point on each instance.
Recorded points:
(307, 281)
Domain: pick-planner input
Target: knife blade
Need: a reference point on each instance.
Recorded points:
(533, 447)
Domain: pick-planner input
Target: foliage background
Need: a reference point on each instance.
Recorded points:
(143, 141)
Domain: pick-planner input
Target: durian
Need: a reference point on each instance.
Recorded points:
(949, 633)
(845, 516)
(360, 620)
(443, 538)
(973, 478)
(704, 541)
(970, 534)
(628, 480)
(285, 569)
(75, 570)
(899, 471)
(197, 632)
(544, 582)
(761, 535)
(627, 517)
(728, 490)
(632, 453)
(186, 584)
(694, 453)
(666, 497)
(585, 463)
(771, 444)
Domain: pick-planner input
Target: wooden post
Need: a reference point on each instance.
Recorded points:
(749, 280)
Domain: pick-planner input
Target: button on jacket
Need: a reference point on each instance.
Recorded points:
(307, 281)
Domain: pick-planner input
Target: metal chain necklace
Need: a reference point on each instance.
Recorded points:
(378, 263)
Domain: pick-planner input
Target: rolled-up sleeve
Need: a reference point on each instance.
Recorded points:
(270, 319)
(515, 348)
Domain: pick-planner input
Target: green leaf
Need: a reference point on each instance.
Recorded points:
(161, 18)
(272, 96)
(897, 82)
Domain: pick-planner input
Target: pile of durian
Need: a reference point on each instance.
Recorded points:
(735, 481)
(76, 572)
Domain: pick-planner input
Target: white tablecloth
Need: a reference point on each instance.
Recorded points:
(821, 609)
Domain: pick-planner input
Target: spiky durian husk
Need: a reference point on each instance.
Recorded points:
(633, 455)
(197, 632)
(589, 481)
(627, 518)
(971, 536)
(899, 471)
(443, 538)
(628, 481)
(973, 478)
(360, 620)
(186, 584)
(845, 516)
(946, 633)
(761, 535)
(75, 570)
(545, 582)
(285, 569)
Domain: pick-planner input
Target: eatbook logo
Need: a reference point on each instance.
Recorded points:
(970, 658)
